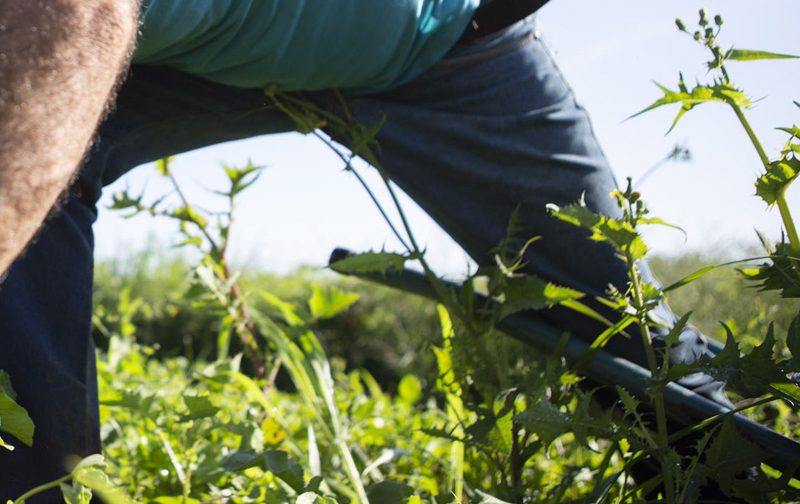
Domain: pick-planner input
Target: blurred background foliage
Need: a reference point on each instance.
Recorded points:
(387, 332)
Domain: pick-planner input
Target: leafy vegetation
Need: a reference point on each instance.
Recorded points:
(217, 388)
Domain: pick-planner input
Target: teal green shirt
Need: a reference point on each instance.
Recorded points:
(353, 45)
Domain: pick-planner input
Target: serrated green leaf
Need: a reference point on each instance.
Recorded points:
(236, 175)
(329, 302)
(729, 454)
(780, 274)
(756, 373)
(760, 357)
(370, 262)
(240, 178)
(533, 293)
(629, 403)
(729, 357)
(772, 184)
(121, 200)
(752, 55)
(577, 214)
(546, 420)
(720, 92)
(620, 234)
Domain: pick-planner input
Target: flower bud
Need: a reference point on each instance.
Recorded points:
(703, 17)
(709, 32)
(697, 36)
(680, 25)
(718, 20)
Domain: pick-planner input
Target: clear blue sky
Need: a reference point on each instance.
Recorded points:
(610, 51)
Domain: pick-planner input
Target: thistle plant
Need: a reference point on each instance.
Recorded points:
(778, 173)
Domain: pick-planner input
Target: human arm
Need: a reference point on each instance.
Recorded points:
(59, 62)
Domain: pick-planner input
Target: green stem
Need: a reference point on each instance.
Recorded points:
(786, 215)
(708, 422)
(411, 246)
(751, 134)
(788, 223)
(349, 167)
(244, 325)
(41, 488)
(298, 109)
(352, 470)
(437, 284)
(658, 393)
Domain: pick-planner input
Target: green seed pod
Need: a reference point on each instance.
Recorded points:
(718, 20)
(680, 25)
(709, 32)
(697, 36)
(703, 17)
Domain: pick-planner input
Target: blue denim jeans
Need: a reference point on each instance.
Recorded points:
(491, 128)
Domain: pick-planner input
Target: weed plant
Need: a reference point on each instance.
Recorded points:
(497, 430)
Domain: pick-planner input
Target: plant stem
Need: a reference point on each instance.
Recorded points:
(245, 327)
(751, 134)
(516, 465)
(658, 393)
(173, 458)
(349, 167)
(783, 207)
(788, 223)
(41, 488)
(410, 245)
(352, 469)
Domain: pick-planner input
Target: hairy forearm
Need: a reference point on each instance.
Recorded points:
(59, 62)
